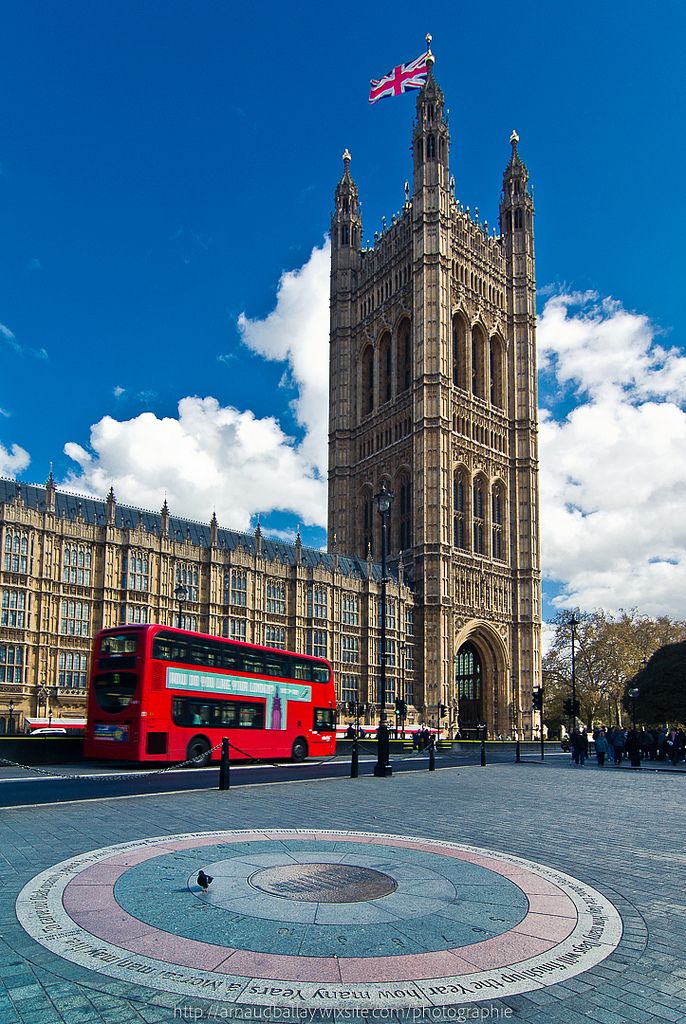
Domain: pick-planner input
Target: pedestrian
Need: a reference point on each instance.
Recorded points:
(672, 744)
(633, 748)
(618, 746)
(602, 748)
(579, 742)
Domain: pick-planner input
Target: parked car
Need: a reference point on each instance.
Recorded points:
(49, 732)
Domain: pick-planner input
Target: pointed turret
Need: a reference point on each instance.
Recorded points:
(164, 517)
(214, 529)
(346, 223)
(516, 204)
(430, 135)
(50, 492)
(111, 507)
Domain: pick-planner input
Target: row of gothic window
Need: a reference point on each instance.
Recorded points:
(478, 284)
(465, 513)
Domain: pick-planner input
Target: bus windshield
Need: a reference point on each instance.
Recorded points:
(114, 690)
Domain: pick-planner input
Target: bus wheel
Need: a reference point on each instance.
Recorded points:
(299, 751)
(198, 748)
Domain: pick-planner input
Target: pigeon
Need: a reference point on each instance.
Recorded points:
(204, 880)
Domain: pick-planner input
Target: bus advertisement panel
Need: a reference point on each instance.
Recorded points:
(163, 694)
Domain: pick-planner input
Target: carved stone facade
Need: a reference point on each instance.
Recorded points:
(433, 392)
(70, 566)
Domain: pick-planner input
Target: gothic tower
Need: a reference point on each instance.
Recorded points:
(433, 392)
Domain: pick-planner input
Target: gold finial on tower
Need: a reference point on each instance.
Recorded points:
(430, 59)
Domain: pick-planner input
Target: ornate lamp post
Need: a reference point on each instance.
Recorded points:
(574, 622)
(384, 500)
(10, 712)
(180, 593)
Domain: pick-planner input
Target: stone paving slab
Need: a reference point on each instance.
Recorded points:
(605, 828)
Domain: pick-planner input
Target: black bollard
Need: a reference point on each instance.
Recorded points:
(483, 753)
(354, 770)
(518, 754)
(224, 774)
(432, 755)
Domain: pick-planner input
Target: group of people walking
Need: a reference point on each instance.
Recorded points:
(613, 745)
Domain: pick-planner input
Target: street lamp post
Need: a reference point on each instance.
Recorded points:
(180, 593)
(574, 622)
(634, 693)
(10, 712)
(382, 768)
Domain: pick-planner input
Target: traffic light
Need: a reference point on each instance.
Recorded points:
(538, 699)
(442, 710)
(400, 708)
(567, 705)
(571, 707)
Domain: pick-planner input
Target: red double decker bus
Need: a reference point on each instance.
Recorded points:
(162, 694)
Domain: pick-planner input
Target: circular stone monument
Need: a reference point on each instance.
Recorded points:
(319, 919)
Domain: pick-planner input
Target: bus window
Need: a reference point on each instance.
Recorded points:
(113, 645)
(301, 670)
(216, 714)
(252, 663)
(114, 690)
(320, 673)
(252, 716)
(324, 720)
(276, 665)
(230, 658)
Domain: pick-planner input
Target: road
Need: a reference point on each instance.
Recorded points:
(101, 781)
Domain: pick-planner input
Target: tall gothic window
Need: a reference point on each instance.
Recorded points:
(477, 363)
(136, 571)
(404, 490)
(459, 354)
(478, 516)
(497, 512)
(368, 381)
(13, 610)
(496, 372)
(276, 597)
(76, 565)
(385, 380)
(367, 523)
(404, 366)
(187, 575)
(430, 147)
(459, 511)
(17, 551)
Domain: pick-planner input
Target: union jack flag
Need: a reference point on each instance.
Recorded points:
(397, 81)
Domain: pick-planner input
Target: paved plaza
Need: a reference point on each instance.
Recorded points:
(513, 892)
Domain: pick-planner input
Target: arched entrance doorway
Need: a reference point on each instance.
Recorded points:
(469, 689)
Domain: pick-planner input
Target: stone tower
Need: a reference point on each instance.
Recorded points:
(433, 392)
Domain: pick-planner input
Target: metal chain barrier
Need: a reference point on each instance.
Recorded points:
(115, 777)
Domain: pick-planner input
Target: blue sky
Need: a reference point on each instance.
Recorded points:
(163, 164)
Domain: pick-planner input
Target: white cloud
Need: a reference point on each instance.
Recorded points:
(118, 391)
(297, 332)
(613, 476)
(215, 457)
(13, 461)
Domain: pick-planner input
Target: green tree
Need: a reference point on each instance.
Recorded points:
(610, 649)
(662, 688)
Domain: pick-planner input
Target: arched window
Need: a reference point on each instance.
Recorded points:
(496, 372)
(497, 518)
(403, 490)
(459, 353)
(477, 362)
(459, 510)
(385, 379)
(430, 147)
(367, 514)
(368, 381)
(517, 218)
(478, 516)
(404, 365)
(76, 565)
